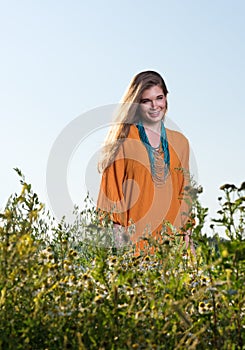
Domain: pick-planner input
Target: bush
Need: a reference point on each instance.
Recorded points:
(61, 289)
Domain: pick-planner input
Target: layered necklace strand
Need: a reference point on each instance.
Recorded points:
(159, 168)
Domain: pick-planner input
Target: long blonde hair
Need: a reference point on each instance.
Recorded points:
(127, 114)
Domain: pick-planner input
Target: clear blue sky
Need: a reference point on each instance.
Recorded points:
(60, 59)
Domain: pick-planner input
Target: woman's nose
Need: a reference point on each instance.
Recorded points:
(153, 103)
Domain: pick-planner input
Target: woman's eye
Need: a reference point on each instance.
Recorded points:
(159, 97)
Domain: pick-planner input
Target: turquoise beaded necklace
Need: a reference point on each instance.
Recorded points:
(153, 151)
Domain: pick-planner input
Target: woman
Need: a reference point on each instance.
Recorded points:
(145, 166)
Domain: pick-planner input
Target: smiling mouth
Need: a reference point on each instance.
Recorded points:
(154, 114)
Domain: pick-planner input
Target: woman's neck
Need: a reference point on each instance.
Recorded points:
(153, 134)
(154, 127)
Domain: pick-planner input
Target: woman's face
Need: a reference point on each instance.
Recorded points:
(153, 105)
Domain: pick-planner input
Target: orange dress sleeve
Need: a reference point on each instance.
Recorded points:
(179, 158)
(111, 197)
(184, 181)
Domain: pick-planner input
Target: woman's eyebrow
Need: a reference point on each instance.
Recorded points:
(145, 99)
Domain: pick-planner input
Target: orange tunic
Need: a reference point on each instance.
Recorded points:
(128, 192)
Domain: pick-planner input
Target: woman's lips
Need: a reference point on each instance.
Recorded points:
(154, 114)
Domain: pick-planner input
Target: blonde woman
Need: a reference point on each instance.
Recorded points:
(144, 165)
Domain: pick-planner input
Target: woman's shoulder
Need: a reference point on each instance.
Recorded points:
(133, 132)
(177, 141)
(176, 136)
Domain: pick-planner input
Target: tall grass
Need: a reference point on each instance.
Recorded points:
(68, 287)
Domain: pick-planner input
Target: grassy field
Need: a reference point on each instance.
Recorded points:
(68, 287)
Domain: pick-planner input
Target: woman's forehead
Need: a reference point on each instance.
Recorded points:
(152, 91)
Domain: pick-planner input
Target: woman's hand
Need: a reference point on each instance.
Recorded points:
(189, 241)
(120, 236)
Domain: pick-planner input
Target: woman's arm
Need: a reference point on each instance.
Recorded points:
(111, 198)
